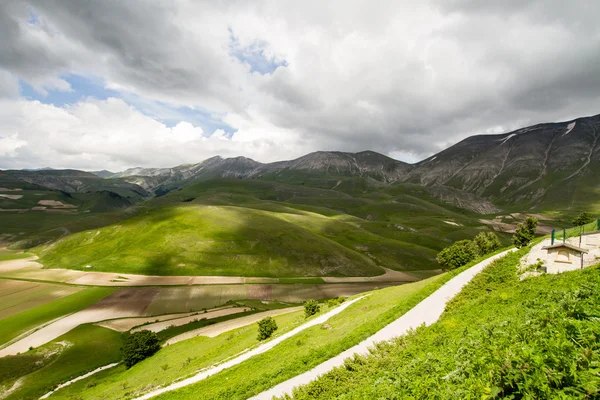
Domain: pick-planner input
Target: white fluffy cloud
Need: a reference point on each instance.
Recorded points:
(401, 77)
(110, 134)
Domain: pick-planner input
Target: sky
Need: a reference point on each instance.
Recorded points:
(115, 84)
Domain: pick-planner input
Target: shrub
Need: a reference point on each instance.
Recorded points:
(582, 219)
(266, 327)
(458, 254)
(311, 307)
(335, 302)
(525, 232)
(487, 242)
(139, 346)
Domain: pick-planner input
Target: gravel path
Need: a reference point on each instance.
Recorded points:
(245, 356)
(426, 312)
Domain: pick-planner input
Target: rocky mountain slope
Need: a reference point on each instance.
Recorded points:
(553, 164)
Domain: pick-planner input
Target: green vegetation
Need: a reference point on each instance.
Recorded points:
(262, 228)
(499, 338)
(182, 359)
(139, 346)
(39, 371)
(266, 327)
(458, 254)
(7, 255)
(311, 307)
(582, 219)
(525, 232)
(487, 242)
(316, 344)
(15, 325)
(19, 296)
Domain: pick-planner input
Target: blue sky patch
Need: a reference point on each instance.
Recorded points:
(254, 56)
(87, 86)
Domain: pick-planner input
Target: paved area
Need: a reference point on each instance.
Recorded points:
(426, 312)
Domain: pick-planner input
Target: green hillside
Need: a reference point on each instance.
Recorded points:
(258, 228)
(499, 338)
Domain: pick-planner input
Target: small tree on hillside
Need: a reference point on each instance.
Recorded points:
(458, 254)
(266, 327)
(139, 346)
(525, 232)
(311, 307)
(582, 219)
(487, 242)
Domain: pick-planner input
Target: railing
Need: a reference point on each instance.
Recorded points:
(563, 234)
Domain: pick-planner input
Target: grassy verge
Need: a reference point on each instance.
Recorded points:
(500, 338)
(84, 349)
(15, 325)
(316, 344)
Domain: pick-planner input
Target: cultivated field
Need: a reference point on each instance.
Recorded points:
(19, 296)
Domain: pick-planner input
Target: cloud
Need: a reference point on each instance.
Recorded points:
(404, 78)
(110, 134)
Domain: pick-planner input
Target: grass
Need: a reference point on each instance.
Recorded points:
(15, 325)
(264, 228)
(499, 338)
(200, 323)
(7, 255)
(316, 344)
(83, 349)
(172, 362)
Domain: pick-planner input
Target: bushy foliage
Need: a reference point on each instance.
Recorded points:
(311, 307)
(336, 301)
(266, 327)
(487, 242)
(139, 346)
(582, 219)
(458, 254)
(500, 338)
(525, 232)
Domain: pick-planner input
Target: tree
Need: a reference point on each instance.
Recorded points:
(525, 232)
(311, 307)
(139, 346)
(487, 242)
(458, 254)
(266, 327)
(582, 219)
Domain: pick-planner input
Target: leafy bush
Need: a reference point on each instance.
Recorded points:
(311, 307)
(139, 346)
(582, 219)
(487, 242)
(335, 302)
(458, 254)
(525, 232)
(266, 327)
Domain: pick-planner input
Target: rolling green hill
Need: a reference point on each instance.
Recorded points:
(262, 228)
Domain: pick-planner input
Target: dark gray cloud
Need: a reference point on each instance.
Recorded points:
(400, 78)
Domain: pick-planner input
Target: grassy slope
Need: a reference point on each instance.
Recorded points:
(258, 228)
(171, 363)
(87, 348)
(501, 337)
(314, 345)
(7, 255)
(15, 325)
